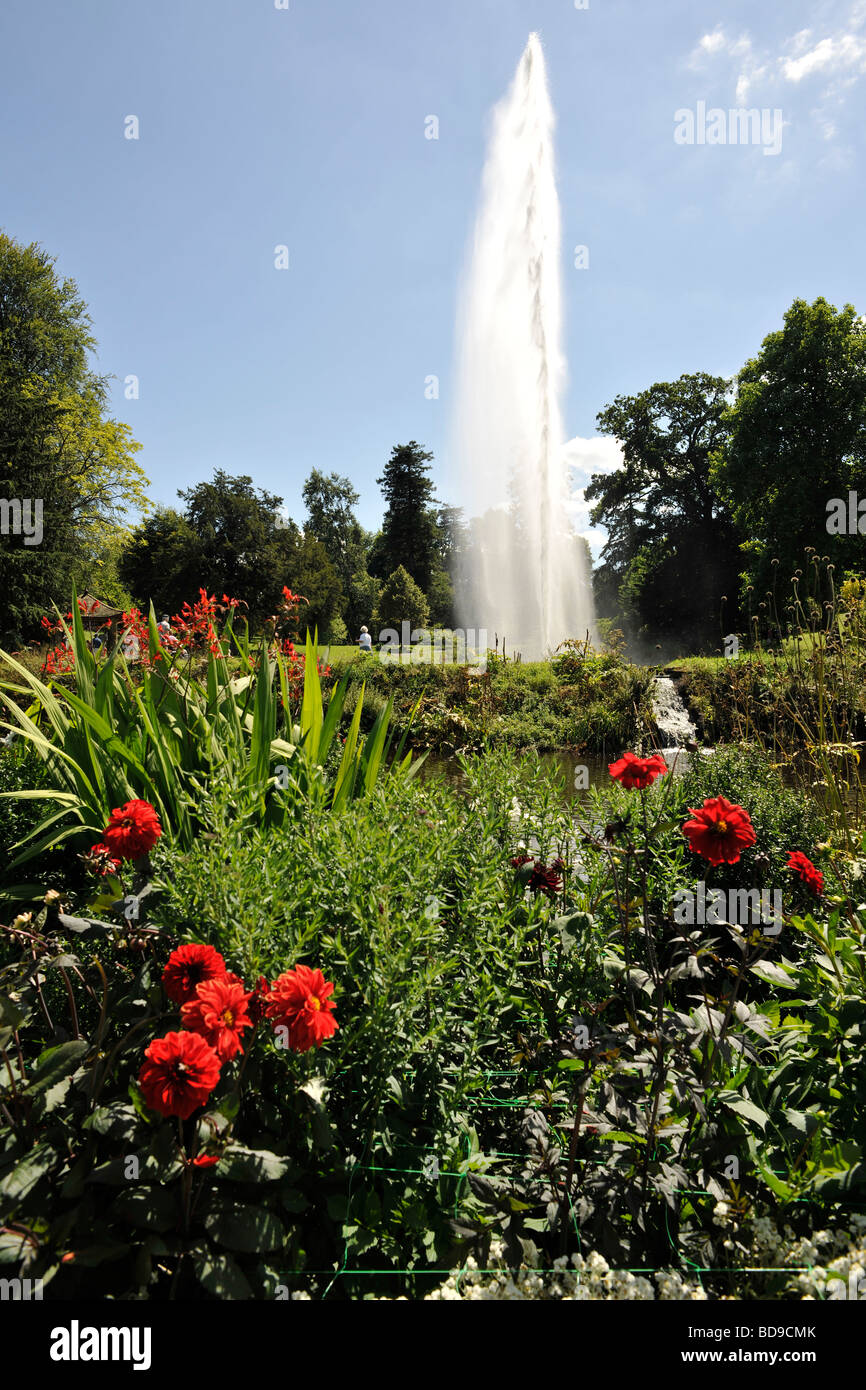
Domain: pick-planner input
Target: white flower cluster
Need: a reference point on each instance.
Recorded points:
(837, 1261)
(580, 1279)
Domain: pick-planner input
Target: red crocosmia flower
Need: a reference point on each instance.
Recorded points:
(219, 1014)
(132, 830)
(805, 869)
(179, 1073)
(633, 771)
(299, 1002)
(720, 831)
(206, 1161)
(187, 967)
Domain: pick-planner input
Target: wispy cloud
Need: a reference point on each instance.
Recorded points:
(828, 63)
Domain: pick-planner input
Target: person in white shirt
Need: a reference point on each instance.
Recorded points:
(365, 641)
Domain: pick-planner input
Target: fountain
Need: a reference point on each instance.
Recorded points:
(527, 577)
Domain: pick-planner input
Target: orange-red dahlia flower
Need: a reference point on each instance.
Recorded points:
(179, 1073)
(633, 771)
(132, 830)
(299, 1002)
(719, 831)
(187, 967)
(799, 864)
(219, 1013)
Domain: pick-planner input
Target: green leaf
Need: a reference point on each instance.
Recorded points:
(746, 1109)
(25, 1176)
(246, 1228)
(222, 1276)
(239, 1164)
(11, 1015)
(54, 1063)
(153, 1207)
(772, 974)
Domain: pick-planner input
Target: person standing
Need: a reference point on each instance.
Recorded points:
(365, 641)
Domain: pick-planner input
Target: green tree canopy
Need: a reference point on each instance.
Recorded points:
(161, 561)
(57, 443)
(672, 548)
(401, 601)
(331, 519)
(231, 539)
(408, 537)
(796, 439)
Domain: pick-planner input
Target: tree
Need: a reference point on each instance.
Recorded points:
(231, 539)
(401, 601)
(440, 598)
(311, 573)
(408, 536)
(244, 546)
(796, 441)
(672, 550)
(58, 446)
(331, 520)
(161, 562)
(361, 601)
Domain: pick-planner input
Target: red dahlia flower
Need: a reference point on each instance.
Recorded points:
(188, 967)
(805, 869)
(299, 1002)
(132, 830)
(179, 1074)
(219, 1014)
(100, 860)
(520, 859)
(544, 880)
(633, 771)
(719, 831)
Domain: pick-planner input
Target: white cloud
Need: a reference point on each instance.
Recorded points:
(597, 455)
(836, 60)
(845, 51)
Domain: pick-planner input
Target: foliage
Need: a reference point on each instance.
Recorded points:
(671, 551)
(58, 443)
(537, 1072)
(330, 503)
(796, 438)
(408, 536)
(512, 705)
(401, 601)
(802, 698)
(165, 740)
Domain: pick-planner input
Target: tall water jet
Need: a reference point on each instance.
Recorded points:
(527, 575)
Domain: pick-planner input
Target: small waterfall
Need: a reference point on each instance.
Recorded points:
(671, 715)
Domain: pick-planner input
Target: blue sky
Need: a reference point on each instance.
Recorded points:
(305, 127)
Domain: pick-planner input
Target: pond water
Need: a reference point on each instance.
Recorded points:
(568, 766)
